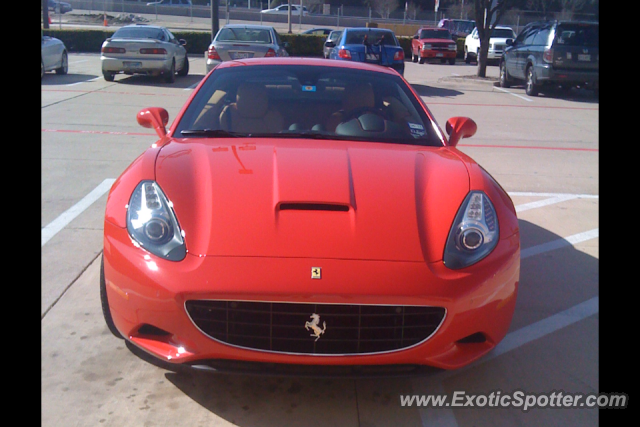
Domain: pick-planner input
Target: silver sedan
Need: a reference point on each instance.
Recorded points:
(237, 41)
(53, 56)
(144, 49)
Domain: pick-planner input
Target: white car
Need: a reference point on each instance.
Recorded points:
(53, 56)
(497, 43)
(144, 49)
(284, 10)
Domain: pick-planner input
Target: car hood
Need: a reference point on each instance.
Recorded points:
(312, 198)
(435, 41)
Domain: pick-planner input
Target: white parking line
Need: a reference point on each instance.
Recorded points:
(70, 214)
(560, 243)
(510, 93)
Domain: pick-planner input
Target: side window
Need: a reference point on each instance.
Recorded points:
(528, 39)
(542, 38)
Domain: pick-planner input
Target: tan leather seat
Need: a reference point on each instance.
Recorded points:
(356, 96)
(251, 113)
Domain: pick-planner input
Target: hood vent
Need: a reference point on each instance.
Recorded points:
(313, 207)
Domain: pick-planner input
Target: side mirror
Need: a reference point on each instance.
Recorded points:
(458, 128)
(509, 42)
(154, 118)
(330, 44)
(183, 42)
(415, 37)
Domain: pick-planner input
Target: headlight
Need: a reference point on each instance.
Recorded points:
(426, 47)
(474, 233)
(152, 223)
(453, 47)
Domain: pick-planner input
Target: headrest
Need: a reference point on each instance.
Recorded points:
(251, 100)
(358, 95)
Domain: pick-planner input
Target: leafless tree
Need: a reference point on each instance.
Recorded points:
(383, 7)
(488, 14)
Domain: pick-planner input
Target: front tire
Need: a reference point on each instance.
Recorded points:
(185, 67)
(64, 64)
(504, 77)
(106, 311)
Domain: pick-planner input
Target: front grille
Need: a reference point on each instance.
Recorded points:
(280, 327)
(439, 46)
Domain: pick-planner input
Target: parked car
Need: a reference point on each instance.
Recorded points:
(433, 43)
(318, 31)
(459, 28)
(330, 42)
(53, 56)
(284, 10)
(208, 263)
(59, 6)
(179, 3)
(497, 43)
(144, 49)
(564, 53)
(371, 45)
(240, 41)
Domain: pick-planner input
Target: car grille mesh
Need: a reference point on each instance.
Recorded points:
(280, 327)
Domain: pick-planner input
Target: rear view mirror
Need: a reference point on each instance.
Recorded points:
(458, 128)
(154, 118)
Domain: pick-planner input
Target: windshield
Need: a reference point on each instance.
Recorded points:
(254, 35)
(435, 34)
(320, 102)
(373, 36)
(575, 34)
(503, 33)
(139, 33)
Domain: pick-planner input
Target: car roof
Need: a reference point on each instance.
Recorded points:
(318, 62)
(252, 26)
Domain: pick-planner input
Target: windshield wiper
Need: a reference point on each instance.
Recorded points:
(210, 133)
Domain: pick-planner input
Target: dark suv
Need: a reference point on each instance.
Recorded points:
(561, 53)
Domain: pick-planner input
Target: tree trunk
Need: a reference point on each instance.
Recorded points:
(482, 58)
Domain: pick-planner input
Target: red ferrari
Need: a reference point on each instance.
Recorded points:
(308, 214)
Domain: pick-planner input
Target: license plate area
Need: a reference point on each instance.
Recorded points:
(132, 64)
(372, 57)
(241, 55)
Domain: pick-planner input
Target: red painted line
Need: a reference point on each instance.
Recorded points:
(98, 132)
(512, 106)
(104, 92)
(530, 148)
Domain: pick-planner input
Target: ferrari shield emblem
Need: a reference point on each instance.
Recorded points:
(316, 272)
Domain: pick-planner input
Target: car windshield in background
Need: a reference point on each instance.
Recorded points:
(302, 101)
(435, 34)
(503, 33)
(244, 35)
(139, 33)
(373, 37)
(575, 34)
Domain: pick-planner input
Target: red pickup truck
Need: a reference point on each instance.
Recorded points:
(433, 43)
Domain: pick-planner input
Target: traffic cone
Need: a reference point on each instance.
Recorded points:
(105, 23)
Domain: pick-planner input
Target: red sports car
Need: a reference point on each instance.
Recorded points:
(433, 43)
(308, 214)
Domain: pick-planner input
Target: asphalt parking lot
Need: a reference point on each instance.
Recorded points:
(544, 151)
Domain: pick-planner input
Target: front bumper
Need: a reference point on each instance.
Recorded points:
(438, 54)
(154, 66)
(147, 294)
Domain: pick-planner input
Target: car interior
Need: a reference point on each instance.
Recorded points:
(332, 104)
